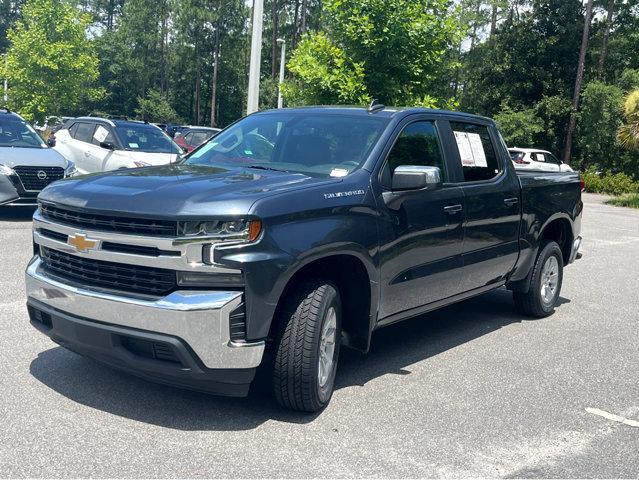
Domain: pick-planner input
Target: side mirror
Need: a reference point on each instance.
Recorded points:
(51, 141)
(413, 177)
(107, 145)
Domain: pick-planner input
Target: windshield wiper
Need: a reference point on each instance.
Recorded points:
(262, 167)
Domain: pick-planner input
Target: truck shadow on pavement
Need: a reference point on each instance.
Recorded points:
(393, 349)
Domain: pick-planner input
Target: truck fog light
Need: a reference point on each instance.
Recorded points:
(211, 280)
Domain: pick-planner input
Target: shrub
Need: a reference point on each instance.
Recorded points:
(616, 184)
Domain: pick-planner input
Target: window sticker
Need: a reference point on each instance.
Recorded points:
(339, 172)
(134, 145)
(471, 149)
(478, 149)
(465, 153)
(101, 134)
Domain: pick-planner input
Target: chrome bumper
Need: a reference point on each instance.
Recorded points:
(199, 318)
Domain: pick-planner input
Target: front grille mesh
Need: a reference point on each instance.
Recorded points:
(30, 176)
(126, 225)
(108, 275)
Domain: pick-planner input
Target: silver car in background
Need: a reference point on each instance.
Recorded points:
(27, 163)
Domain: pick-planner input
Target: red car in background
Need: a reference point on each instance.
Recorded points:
(192, 137)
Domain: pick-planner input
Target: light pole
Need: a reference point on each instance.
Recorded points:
(252, 104)
(282, 43)
(6, 82)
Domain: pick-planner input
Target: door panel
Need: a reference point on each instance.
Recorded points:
(421, 258)
(421, 231)
(491, 193)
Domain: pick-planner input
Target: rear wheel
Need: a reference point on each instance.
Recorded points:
(545, 284)
(307, 347)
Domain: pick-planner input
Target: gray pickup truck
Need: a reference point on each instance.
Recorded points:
(292, 233)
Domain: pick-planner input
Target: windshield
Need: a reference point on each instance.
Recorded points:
(318, 144)
(15, 132)
(145, 138)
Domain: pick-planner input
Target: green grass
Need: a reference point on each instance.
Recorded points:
(628, 200)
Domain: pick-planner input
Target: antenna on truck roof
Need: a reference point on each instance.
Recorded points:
(375, 107)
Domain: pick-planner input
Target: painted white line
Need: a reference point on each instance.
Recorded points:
(613, 417)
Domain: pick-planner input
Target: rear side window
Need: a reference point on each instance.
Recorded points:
(84, 132)
(476, 150)
(418, 144)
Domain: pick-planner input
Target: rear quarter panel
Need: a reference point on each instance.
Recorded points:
(546, 197)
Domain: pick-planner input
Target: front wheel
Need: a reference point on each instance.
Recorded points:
(545, 284)
(307, 347)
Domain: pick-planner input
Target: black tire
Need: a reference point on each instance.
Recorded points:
(295, 379)
(532, 303)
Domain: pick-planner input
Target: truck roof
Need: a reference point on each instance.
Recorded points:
(389, 112)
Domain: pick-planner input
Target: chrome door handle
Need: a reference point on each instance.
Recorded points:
(86, 154)
(511, 201)
(452, 209)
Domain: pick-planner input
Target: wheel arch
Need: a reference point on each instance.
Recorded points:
(352, 274)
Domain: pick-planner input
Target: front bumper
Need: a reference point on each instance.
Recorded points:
(192, 326)
(13, 194)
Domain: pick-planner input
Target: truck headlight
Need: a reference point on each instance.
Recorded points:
(4, 170)
(223, 230)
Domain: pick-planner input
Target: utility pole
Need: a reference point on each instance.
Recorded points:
(256, 56)
(280, 100)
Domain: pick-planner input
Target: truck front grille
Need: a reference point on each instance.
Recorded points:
(36, 178)
(108, 275)
(108, 223)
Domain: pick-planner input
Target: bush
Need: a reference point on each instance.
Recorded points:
(616, 184)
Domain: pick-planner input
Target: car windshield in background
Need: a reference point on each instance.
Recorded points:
(312, 143)
(145, 138)
(18, 133)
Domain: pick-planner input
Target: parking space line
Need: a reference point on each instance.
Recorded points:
(613, 417)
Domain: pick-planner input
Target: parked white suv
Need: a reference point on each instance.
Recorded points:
(100, 144)
(535, 159)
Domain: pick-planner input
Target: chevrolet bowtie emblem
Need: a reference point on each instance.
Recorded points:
(81, 242)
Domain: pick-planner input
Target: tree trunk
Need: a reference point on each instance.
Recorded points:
(473, 37)
(606, 35)
(216, 61)
(493, 19)
(303, 14)
(580, 75)
(296, 20)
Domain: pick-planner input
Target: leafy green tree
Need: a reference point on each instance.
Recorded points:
(629, 132)
(392, 50)
(156, 108)
(51, 62)
(323, 74)
(599, 119)
(529, 57)
(519, 127)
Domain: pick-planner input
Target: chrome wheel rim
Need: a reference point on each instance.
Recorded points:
(549, 279)
(327, 347)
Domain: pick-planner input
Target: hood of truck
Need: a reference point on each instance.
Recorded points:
(167, 191)
(32, 157)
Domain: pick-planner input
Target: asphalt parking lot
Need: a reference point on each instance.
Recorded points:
(471, 390)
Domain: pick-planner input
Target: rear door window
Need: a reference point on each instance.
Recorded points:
(476, 151)
(84, 132)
